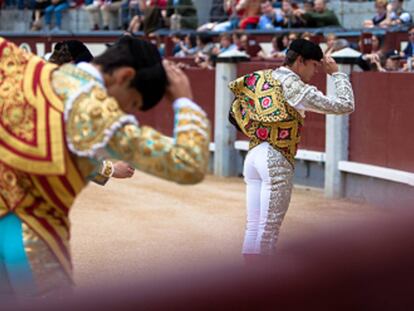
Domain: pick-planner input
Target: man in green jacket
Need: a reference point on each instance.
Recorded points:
(321, 16)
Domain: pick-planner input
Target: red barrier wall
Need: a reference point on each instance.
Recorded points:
(381, 126)
(203, 86)
(313, 135)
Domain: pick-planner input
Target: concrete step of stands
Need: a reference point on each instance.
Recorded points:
(73, 20)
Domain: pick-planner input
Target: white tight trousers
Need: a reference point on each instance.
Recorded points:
(268, 176)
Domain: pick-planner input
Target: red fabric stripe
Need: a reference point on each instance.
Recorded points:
(49, 106)
(67, 185)
(2, 46)
(49, 190)
(48, 140)
(36, 81)
(36, 77)
(26, 156)
(46, 225)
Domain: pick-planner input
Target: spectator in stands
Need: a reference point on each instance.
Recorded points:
(292, 36)
(182, 14)
(205, 43)
(320, 17)
(155, 39)
(188, 48)
(243, 14)
(275, 52)
(373, 60)
(132, 14)
(244, 43)
(308, 6)
(396, 15)
(330, 39)
(154, 13)
(125, 15)
(110, 7)
(226, 43)
(136, 9)
(292, 15)
(306, 35)
(217, 12)
(392, 61)
(106, 7)
(222, 23)
(271, 17)
(205, 51)
(56, 7)
(380, 16)
(132, 9)
(236, 36)
(408, 51)
(233, 20)
(177, 40)
(283, 42)
(251, 13)
(93, 10)
(38, 12)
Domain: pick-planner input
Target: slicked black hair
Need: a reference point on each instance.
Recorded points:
(70, 51)
(150, 78)
(290, 58)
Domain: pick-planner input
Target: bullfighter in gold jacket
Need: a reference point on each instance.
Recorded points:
(57, 124)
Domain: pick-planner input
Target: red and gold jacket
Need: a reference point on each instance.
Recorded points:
(56, 127)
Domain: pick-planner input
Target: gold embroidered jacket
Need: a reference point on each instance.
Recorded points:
(56, 127)
(263, 114)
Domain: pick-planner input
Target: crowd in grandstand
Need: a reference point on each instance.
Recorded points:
(225, 15)
(201, 47)
(233, 19)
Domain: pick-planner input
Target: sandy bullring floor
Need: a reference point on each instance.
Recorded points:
(148, 228)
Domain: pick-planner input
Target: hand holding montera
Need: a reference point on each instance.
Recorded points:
(178, 83)
(329, 65)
